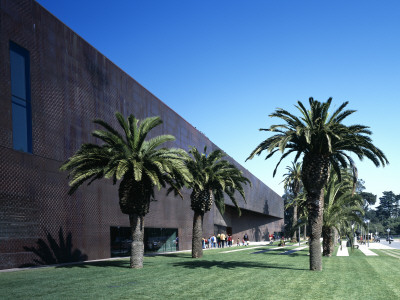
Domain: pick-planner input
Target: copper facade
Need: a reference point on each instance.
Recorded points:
(72, 84)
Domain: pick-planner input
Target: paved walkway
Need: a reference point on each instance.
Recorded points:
(293, 250)
(363, 248)
(366, 250)
(343, 251)
(378, 246)
(242, 248)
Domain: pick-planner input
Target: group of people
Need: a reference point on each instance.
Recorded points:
(221, 240)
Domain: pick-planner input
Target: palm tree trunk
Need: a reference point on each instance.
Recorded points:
(294, 237)
(327, 245)
(305, 232)
(335, 237)
(315, 208)
(315, 175)
(197, 247)
(137, 245)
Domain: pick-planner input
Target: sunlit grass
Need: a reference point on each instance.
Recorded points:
(218, 275)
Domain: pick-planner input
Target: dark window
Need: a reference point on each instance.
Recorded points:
(219, 229)
(155, 240)
(20, 97)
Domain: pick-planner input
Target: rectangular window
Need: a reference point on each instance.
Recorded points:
(155, 240)
(21, 99)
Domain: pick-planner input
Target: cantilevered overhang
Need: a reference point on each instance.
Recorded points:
(259, 197)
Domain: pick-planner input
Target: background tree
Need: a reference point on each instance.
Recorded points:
(388, 205)
(369, 198)
(341, 208)
(288, 212)
(213, 177)
(302, 213)
(140, 164)
(292, 183)
(324, 141)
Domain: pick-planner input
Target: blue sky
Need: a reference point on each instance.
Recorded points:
(224, 66)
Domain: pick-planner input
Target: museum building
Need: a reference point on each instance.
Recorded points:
(53, 84)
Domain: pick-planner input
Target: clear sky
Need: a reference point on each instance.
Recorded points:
(224, 66)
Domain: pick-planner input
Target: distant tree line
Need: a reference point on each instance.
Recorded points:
(386, 215)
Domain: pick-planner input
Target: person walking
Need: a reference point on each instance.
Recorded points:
(223, 238)
(246, 237)
(214, 241)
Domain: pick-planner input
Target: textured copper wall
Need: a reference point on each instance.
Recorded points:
(72, 84)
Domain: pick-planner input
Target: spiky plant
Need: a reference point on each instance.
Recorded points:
(139, 164)
(325, 142)
(213, 177)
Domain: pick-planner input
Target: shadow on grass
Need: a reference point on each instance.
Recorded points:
(298, 254)
(229, 265)
(84, 264)
(123, 262)
(283, 251)
(119, 262)
(180, 255)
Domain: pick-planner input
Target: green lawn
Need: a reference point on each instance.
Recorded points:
(236, 275)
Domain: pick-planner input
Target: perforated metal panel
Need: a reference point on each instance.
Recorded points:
(72, 84)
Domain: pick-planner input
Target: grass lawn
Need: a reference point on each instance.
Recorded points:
(235, 275)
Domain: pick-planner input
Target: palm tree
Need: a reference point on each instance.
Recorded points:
(325, 142)
(292, 183)
(341, 208)
(140, 165)
(213, 177)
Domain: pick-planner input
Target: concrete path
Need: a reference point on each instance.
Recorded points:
(242, 248)
(293, 250)
(343, 251)
(378, 246)
(366, 250)
(281, 247)
(363, 248)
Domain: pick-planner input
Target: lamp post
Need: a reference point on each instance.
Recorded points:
(362, 234)
(367, 231)
(388, 230)
(352, 241)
